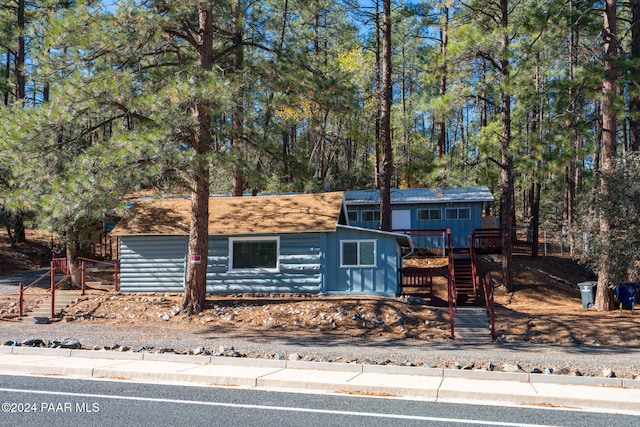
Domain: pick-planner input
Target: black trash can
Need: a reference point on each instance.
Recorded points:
(587, 293)
(627, 293)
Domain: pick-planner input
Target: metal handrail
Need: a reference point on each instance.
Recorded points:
(23, 288)
(116, 271)
(489, 303)
(55, 284)
(56, 266)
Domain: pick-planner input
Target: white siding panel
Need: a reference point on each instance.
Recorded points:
(153, 263)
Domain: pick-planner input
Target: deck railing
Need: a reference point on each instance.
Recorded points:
(61, 266)
(487, 285)
(416, 281)
(451, 296)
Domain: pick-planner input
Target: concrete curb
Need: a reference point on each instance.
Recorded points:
(446, 385)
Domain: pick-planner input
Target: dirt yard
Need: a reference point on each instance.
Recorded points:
(545, 307)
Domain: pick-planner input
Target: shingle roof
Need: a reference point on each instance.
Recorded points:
(420, 195)
(236, 215)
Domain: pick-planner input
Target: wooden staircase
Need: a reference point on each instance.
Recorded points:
(463, 278)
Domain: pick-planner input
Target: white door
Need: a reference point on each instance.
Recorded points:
(401, 219)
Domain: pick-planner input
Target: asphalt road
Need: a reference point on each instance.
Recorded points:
(27, 400)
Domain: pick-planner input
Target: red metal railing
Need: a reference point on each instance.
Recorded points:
(23, 288)
(116, 271)
(452, 296)
(487, 284)
(61, 266)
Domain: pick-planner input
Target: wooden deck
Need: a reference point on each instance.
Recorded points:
(416, 281)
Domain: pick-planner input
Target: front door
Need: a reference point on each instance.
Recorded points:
(401, 219)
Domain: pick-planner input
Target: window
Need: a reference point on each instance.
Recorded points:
(358, 253)
(254, 254)
(458, 213)
(371, 216)
(352, 216)
(429, 214)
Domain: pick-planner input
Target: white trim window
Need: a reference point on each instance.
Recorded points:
(432, 214)
(254, 254)
(358, 253)
(458, 213)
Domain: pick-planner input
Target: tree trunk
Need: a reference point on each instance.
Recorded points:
(535, 216)
(442, 89)
(506, 159)
(196, 280)
(21, 93)
(634, 101)
(378, 126)
(73, 263)
(237, 143)
(603, 300)
(385, 120)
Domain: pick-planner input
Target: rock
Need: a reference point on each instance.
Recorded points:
(535, 371)
(576, 373)
(548, 371)
(33, 342)
(491, 367)
(71, 343)
(608, 373)
(198, 350)
(564, 371)
(11, 343)
(429, 365)
(511, 368)
(294, 356)
(224, 349)
(278, 356)
(166, 317)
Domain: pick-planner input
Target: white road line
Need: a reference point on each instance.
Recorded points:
(273, 408)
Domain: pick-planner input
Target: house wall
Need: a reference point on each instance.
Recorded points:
(300, 269)
(379, 280)
(308, 263)
(152, 263)
(460, 228)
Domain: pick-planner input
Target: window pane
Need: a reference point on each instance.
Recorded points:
(367, 253)
(349, 253)
(353, 216)
(423, 214)
(255, 254)
(370, 216)
(452, 213)
(435, 214)
(464, 213)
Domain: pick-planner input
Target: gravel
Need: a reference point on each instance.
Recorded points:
(557, 359)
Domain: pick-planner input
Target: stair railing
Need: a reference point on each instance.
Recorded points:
(474, 271)
(451, 288)
(116, 271)
(23, 288)
(487, 284)
(55, 284)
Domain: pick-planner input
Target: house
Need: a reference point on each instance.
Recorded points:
(457, 209)
(298, 243)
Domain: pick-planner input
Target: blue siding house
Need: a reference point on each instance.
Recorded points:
(263, 244)
(458, 209)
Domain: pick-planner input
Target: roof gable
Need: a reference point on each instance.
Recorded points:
(237, 215)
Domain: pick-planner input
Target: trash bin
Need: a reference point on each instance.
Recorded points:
(627, 294)
(586, 291)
